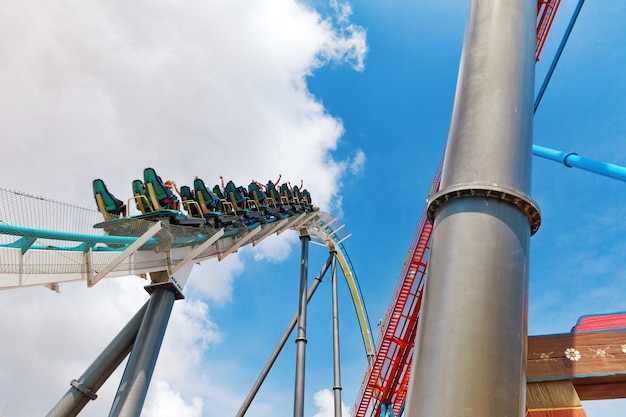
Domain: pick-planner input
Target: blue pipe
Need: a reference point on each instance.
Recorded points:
(571, 159)
(71, 237)
(559, 51)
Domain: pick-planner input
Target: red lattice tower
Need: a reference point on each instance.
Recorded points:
(546, 10)
(387, 377)
(388, 374)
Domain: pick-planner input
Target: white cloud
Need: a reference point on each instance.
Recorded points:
(351, 45)
(213, 279)
(169, 403)
(205, 89)
(358, 162)
(103, 90)
(325, 402)
(275, 248)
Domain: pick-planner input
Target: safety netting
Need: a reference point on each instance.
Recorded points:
(40, 236)
(30, 211)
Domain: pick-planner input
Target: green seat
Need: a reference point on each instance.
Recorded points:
(218, 192)
(304, 198)
(209, 203)
(257, 195)
(263, 203)
(107, 203)
(160, 197)
(234, 196)
(273, 193)
(288, 198)
(286, 192)
(141, 199)
(189, 201)
(307, 197)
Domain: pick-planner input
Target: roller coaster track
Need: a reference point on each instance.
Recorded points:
(33, 253)
(546, 10)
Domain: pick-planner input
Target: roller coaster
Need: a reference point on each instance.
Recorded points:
(162, 243)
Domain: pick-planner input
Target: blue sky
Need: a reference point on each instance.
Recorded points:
(357, 105)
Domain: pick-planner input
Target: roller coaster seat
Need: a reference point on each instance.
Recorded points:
(287, 197)
(141, 199)
(190, 203)
(273, 193)
(297, 195)
(262, 202)
(234, 195)
(209, 202)
(257, 194)
(107, 203)
(286, 192)
(160, 196)
(304, 198)
(218, 192)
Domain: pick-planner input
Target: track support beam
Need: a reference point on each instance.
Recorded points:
(133, 387)
(281, 343)
(475, 299)
(298, 401)
(336, 356)
(85, 387)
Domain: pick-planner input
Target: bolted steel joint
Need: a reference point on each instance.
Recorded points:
(84, 390)
(493, 191)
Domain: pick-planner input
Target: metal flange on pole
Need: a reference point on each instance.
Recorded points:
(470, 349)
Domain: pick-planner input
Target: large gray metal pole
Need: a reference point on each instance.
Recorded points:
(298, 400)
(85, 387)
(133, 387)
(281, 343)
(336, 357)
(470, 350)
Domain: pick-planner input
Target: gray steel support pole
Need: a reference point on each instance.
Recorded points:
(336, 358)
(85, 387)
(133, 387)
(298, 400)
(281, 343)
(470, 350)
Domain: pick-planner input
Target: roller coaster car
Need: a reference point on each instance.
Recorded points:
(159, 197)
(304, 198)
(263, 203)
(287, 196)
(274, 197)
(218, 213)
(112, 209)
(241, 204)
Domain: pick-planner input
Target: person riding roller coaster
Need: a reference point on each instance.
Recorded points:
(171, 200)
